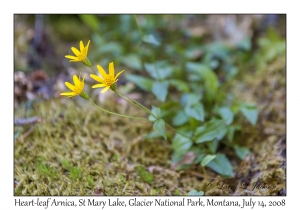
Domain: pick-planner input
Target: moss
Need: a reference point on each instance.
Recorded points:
(77, 150)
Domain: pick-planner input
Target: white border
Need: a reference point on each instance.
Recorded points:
(154, 7)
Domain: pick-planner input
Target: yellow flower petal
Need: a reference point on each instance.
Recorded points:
(76, 80)
(81, 54)
(75, 51)
(71, 57)
(118, 74)
(70, 86)
(98, 85)
(68, 94)
(82, 82)
(111, 69)
(81, 47)
(107, 80)
(87, 47)
(104, 90)
(77, 88)
(97, 78)
(101, 71)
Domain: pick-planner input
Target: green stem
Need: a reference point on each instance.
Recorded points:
(137, 23)
(93, 70)
(137, 104)
(134, 102)
(113, 113)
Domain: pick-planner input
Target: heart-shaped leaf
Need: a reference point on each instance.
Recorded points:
(156, 112)
(160, 90)
(207, 159)
(214, 129)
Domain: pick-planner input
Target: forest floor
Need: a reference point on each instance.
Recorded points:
(74, 149)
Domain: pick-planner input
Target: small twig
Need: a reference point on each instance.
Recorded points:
(27, 121)
(201, 175)
(124, 188)
(30, 130)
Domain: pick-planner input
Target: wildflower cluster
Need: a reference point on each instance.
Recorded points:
(106, 80)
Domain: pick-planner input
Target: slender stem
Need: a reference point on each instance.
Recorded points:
(137, 104)
(204, 171)
(113, 113)
(93, 70)
(134, 102)
(138, 25)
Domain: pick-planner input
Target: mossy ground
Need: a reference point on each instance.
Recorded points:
(78, 150)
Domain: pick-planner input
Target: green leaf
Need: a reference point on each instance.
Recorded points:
(245, 44)
(180, 118)
(199, 158)
(152, 135)
(214, 129)
(231, 72)
(214, 63)
(226, 115)
(179, 85)
(142, 82)
(165, 111)
(195, 193)
(273, 35)
(156, 112)
(133, 61)
(160, 90)
(235, 108)
(207, 159)
(221, 165)
(230, 133)
(97, 39)
(250, 111)
(158, 70)
(114, 48)
(159, 126)
(91, 21)
(196, 111)
(241, 152)
(189, 99)
(209, 78)
(213, 145)
(150, 39)
(219, 50)
(181, 144)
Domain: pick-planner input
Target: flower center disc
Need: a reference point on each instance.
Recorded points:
(108, 81)
(77, 90)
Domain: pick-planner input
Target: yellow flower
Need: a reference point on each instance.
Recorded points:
(106, 80)
(80, 56)
(77, 88)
